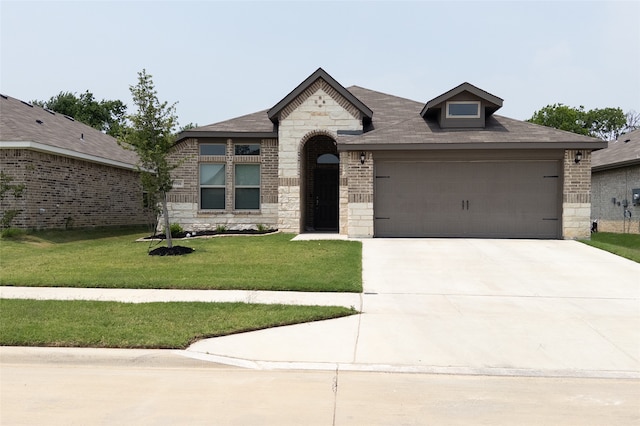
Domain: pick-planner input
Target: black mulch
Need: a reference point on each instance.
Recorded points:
(208, 233)
(173, 251)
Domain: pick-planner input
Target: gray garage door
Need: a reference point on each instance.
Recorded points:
(487, 199)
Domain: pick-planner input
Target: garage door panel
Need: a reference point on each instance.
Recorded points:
(467, 199)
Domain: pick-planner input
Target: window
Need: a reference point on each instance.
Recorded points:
(251, 149)
(212, 186)
(213, 149)
(463, 109)
(247, 187)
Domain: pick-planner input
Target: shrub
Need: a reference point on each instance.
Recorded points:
(221, 228)
(12, 233)
(175, 229)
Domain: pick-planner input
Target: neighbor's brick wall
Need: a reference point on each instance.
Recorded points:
(576, 195)
(318, 110)
(184, 198)
(615, 183)
(62, 192)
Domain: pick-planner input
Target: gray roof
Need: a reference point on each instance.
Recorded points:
(493, 102)
(31, 127)
(397, 124)
(625, 151)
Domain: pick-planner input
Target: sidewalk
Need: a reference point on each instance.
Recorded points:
(347, 300)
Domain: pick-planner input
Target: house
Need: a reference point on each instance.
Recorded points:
(615, 188)
(368, 164)
(74, 175)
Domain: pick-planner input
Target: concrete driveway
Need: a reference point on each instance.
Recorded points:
(468, 306)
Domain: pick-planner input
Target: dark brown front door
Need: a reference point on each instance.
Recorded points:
(325, 217)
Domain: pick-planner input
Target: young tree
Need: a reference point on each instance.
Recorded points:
(107, 115)
(150, 135)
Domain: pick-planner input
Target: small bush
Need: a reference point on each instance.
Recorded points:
(175, 229)
(262, 227)
(221, 228)
(13, 233)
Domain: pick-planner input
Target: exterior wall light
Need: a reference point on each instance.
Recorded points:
(578, 157)
(363, 157)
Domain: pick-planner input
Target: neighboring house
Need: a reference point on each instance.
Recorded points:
(615, 189)
(74, 175)
(368, 164)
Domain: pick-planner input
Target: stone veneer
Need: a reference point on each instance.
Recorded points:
(63, 192)
(576, 195)
(319, 110)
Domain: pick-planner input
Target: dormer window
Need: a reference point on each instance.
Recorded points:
(463, 109)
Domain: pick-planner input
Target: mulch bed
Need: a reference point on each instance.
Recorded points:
(173, 251)
(180, 250)
(191, 234)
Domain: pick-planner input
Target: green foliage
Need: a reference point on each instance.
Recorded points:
(12, 233)
(262, 228)
(606, 123)
(175, 229)
(142, 325)
(105, 115)
(221, 228)
(9, 189)
(151, 136)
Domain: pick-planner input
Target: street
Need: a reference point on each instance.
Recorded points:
(106, 386)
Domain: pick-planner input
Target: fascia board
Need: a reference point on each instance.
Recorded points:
(36, 146)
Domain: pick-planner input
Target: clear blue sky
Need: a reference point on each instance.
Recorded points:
(219, 60)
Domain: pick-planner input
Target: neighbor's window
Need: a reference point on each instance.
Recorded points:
(463, 109)
(247, 149)
(212, 186)
(247, 187)
(213, 149)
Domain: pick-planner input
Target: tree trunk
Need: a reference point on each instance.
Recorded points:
(165, 213)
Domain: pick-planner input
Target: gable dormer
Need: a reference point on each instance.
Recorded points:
(464, 106)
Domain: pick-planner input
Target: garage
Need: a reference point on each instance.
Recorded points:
(478, 196)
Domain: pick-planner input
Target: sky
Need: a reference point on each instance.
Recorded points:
(219, 60)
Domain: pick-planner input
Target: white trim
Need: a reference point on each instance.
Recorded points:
(36, 146)
(463, 102)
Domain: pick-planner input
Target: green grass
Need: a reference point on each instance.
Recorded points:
(145, 325)
(112, 259)
(625, 245)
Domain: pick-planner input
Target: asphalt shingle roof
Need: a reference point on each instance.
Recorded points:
(397, 122)
(21, 122)
(624, 151)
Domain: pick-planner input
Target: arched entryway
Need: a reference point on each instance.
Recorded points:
(320, 188)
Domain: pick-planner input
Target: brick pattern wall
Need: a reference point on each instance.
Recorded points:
(576, 195)
(615, 184)
(360, 195)
(64, 192)
(184, 198)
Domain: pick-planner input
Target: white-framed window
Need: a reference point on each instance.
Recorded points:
(463, 109)
(212, 186)
(213, 149)
(246, 149)
(247, 187)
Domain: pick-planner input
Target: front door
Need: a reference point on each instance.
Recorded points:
(325, 183)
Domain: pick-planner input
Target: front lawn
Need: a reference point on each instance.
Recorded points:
(144, 325)
(625, 245)
(112, 258)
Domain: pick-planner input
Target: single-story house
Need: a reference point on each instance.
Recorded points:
(615, 185)
(74, 175)
(363, 163)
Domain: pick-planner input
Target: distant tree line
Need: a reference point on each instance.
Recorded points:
(606, 123)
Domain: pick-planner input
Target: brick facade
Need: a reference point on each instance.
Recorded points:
(183, 201)
(609, 189)
(576, 195)
(63, 192)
